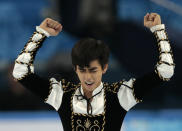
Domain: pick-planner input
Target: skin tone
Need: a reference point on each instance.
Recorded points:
(91, 77)
(51, 26)
(54, 27)
(151, 19)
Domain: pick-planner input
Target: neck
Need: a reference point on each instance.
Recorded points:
(87, 94)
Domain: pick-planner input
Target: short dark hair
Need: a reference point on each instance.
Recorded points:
(87, 50)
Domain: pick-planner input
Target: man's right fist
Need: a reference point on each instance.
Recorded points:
(51, 26)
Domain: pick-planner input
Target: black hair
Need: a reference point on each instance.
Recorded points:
(87, 50)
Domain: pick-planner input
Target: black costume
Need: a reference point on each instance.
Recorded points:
(115, 99)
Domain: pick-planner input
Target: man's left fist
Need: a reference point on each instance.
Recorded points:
(152, 19)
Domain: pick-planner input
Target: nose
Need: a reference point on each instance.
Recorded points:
(88, 76)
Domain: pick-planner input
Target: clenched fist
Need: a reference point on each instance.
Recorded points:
(51, 26)
(152, 19)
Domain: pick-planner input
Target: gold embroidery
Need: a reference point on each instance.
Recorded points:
(95, 126)
(31, 53)
(87, 125)
(113, 87)
(25, 75)
(133, 89)
(67, 87)
(160, 51)
(50, 88)
(80, 127)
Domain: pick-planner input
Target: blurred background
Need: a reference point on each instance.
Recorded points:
(133, 48)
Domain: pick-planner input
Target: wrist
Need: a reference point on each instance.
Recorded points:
(39, 29)
(157, 28)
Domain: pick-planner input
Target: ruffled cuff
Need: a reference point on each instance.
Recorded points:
(165, 66)
(157, 28)
(39, 29)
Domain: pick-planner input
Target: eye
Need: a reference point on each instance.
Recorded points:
(82, 70)
(93, 71)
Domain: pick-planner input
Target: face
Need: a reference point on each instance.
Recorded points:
(91, 77)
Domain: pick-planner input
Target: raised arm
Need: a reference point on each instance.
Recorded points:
(165, 65)
(24, 68)
(164, 69)
(132, 91)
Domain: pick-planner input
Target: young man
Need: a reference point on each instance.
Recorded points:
(92, 105)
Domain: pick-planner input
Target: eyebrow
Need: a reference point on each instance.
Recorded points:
(91, 68)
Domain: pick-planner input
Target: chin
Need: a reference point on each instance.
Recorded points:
(89, 88)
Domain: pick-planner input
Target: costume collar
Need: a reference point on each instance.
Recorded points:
(97, 90)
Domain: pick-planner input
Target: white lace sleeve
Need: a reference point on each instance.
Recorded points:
(165, 66)
(24, 62)
(55, 95)
(126, 95)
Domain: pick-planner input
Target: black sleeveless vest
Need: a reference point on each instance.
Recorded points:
(111, 118)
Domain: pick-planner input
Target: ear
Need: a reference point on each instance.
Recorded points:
(75, 69)
(105, 68)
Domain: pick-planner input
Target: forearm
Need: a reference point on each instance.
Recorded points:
(24, 62)
(23, 70)
(50, 90)
(164, 69)
(133, 91)
(165, 66)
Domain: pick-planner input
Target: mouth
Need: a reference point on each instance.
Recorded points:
(89, 84)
